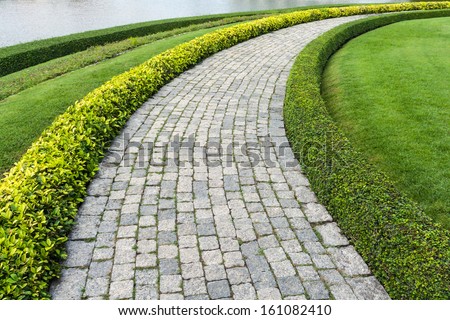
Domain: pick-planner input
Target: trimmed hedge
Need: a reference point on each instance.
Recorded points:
(41, 193)
(406, 251)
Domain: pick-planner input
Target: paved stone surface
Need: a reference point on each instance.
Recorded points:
(200, 196)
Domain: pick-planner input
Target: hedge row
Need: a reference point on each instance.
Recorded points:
(41, 193)
(407, 252)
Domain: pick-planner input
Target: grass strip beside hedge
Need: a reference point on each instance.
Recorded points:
(406, 251)
(41, 193)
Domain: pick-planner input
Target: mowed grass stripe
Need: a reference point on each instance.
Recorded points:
(389, 91)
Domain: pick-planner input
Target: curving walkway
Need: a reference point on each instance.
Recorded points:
(200, 196)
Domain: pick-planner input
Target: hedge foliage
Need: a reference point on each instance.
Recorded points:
(41, 193)
(407, 252)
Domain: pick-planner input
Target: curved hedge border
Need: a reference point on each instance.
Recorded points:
(406, 251)
(41, 193)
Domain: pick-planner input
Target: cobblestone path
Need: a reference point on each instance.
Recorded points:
(200, 196)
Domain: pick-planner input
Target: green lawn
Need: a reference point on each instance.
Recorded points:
(389, 90)
(25, 115)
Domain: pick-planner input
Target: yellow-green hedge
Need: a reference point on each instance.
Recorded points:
(41, 193)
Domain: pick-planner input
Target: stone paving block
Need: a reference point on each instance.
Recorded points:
(146, 293)
(105, 240)
(246, 235)
(293, 213)
(99, 187)
(342, 291)
(331, 277)
(215, 272)
(206, 229)
(285, 234)
(189, 255)
(146, 277)
(243, 292)
(219, 289)
(300, 258)
(331, 235)
(127, 232)
(167, 252)
(108, 226)
(307, 273)
(314, 247)
(228, 244)
(129, 219)
(147, 233)
(212, 257)
(198, 297)
(283, 269)
(275, 254)
(99, 269)
(167, 238)
(146, 260)
(192, 270)
(322, 261)
(122, 272)
(269, 294)
(367, 288)
(85, 227)
(80, 253)
(96, 287)
(121, 290)
(291, 246)
(305, 195)
(290, 286)
(170, 283)
(171, 296)
(316, 290)
(233, 259)
(316, 212)
(208, 243)
(146, 246)
(70, 286)
(168, 266)
(349, 261)
(103, 254)
(194, 287)
(238, 275)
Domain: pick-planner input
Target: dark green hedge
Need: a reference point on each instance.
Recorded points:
(406, 251)
(39, 196)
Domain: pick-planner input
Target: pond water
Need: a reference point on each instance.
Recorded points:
(27, 20)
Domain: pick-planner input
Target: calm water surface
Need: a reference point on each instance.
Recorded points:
(27, 20)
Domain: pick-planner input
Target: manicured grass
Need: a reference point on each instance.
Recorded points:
(389, 92)
(25, 115)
